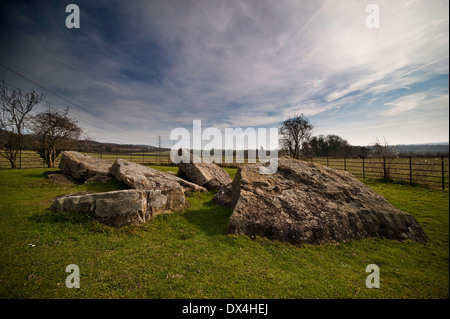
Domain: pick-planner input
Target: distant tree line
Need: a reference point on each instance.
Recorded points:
(85, 145)
(296, 140)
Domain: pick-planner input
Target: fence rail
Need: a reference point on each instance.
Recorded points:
(430, 171)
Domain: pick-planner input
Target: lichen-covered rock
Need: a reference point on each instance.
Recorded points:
(223, 196)
(81, 166)
(99, 179)
(144, 177)
(309, 203)
(60, 178)
(202, 173)
(124, 207)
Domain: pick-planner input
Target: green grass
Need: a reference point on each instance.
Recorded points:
(186, 254)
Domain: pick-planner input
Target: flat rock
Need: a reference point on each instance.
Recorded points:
(81, 166)
(99, 179)
(144, 177)
(200, 172)
(224, 196)
(308, 203)
(122, 208)
(59, 178)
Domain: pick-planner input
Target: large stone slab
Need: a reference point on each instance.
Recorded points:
(124, 207)
(60, 178)
(144, 177)
(202, 173)
(223, 197)
(81, 166)
(309, 203)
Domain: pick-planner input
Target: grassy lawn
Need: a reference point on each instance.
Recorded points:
(187, 255)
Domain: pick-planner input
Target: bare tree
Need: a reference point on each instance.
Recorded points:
(387, 153)
(15, 108)
(294, 133)
(54, 131)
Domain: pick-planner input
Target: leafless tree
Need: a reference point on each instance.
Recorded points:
(16, 106)
(387, 154)
(54, 131)
(294, 133)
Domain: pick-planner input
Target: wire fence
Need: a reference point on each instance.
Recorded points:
(430, 171)
(422, 170)
(31, 159)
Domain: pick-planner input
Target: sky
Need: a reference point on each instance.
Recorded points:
(136, 70)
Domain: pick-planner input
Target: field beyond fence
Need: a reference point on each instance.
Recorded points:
(422, 170)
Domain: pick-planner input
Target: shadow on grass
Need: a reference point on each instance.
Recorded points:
(34, 175)
(209, 218)
(62, 217)
(112, 185)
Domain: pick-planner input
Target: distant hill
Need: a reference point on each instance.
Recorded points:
(410, 149)
(93, 146)
(423, 149)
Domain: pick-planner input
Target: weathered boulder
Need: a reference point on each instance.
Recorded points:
(223, 196)
(203, 173)
(99, 179)
(81, 166)
(309, 203)
(124, 207)
(144, 177)
(60, 178)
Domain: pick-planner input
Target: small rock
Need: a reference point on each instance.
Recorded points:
(60, 178)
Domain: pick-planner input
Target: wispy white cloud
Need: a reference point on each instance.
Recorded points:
(404, 104)
(156, 65)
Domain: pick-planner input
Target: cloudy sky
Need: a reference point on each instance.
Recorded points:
(135, 70)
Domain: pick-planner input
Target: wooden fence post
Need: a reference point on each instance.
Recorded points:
(364, 169)
(443, 171)
(410, 170)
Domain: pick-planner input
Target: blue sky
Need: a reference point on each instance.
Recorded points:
(147, 67)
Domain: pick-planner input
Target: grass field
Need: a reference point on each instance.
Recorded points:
(186, 254)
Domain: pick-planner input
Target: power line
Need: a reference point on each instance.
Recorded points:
(63, 98)
(78, 117)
